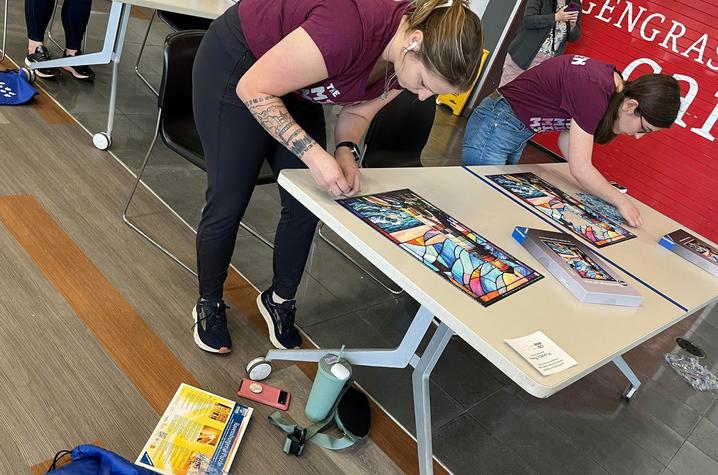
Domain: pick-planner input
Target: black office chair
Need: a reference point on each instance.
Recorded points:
(177, 22)
(175, 121)
(395, 138)
(398, 133)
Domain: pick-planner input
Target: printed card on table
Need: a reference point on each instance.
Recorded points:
(542, 353)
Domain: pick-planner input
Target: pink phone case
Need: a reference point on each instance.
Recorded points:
(264, 394)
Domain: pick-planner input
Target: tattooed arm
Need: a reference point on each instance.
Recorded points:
(293, 63)
(271, 113)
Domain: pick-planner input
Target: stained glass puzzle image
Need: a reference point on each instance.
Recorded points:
(562, 208)
(602, 207)
(578, 260)
(464, 258)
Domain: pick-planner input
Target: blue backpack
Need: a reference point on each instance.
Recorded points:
(15, 88)
(93, 460)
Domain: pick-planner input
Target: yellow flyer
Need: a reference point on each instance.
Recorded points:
(198, 434)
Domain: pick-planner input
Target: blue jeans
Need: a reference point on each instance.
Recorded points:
(494, 135)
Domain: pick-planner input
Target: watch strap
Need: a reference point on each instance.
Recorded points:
(353, 148)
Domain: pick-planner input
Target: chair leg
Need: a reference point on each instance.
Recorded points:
(132, 194)
(49, 27)
(139, 55)
(4, 33)
(353, 261)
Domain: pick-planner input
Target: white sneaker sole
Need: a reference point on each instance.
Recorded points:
(76, 75)
(270, 324)
(198, 340)
(37, 71)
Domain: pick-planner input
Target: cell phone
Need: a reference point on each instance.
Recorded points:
(620, 188)
(264, 394)
(572, 7)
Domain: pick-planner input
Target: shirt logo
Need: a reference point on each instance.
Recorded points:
(320, 94)
(578, 60)
(549, 124)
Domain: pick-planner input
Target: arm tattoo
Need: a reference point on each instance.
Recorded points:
(272, 114)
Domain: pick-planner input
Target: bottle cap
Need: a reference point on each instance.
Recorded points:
(340, 371)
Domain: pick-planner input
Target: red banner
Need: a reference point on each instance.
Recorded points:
(674, 171)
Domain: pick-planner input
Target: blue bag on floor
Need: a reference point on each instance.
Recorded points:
(92, 460)
(14, 88)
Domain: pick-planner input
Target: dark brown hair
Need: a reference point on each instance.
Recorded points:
(658, 97)
(453, 40)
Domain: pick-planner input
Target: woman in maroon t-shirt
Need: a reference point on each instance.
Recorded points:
(260, 76)
(587, 101)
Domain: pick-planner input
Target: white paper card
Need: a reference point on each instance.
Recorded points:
(542, 353)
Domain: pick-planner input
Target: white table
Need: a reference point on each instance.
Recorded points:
(115, 39)
(592, 334)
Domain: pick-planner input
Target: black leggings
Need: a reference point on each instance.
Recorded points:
(235, 146)
(75, 15)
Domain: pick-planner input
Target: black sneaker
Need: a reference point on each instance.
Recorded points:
(210, 327)
(41, 54)
(280, 321)
(83, 73)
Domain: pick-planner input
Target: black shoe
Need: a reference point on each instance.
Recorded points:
(41, 54)
(83, 73)
(280, 321)
(210, 327)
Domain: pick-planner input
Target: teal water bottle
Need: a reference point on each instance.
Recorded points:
(332, 374)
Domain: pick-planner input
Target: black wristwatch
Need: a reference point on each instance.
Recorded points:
(353, 148)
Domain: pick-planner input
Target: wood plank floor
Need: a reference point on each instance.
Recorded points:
(95, 325)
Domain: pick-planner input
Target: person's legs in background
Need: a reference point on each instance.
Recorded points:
(75, 16)
(37, 17)
(494, 135)
(295, 233)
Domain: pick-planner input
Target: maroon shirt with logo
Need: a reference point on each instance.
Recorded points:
(351, 35)
(547, 97)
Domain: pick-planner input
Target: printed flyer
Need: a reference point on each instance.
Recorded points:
(198, 434)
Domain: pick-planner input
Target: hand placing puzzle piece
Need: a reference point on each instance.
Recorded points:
(601, 207)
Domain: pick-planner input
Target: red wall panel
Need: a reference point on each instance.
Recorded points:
(674, 171)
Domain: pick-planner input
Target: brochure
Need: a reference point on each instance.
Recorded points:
(542, 353)
(198, 434)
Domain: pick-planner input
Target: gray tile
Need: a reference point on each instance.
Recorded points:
(691, 461)
(343, 279)
(523, 430)
(390, 319)
(655, 399)
(705, 438)
(712, 414)
(589, 412)
(467, 448)
(459, 361)
(315, 303)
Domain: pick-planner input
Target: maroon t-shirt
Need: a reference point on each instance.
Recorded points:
(351, 34)
(547, 97)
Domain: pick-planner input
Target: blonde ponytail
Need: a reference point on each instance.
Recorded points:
(453, 39)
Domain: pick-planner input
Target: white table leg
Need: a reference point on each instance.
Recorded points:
(635, 383)
(111, 52)
(422, 406)
(399, 357)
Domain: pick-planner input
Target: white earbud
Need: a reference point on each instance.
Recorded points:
(414, 45)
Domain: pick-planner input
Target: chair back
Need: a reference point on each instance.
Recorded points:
(399, 132)
(177, 127)
(180, 21)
